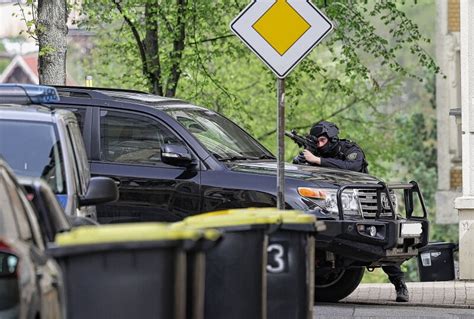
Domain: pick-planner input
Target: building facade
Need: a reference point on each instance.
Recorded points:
(448, 105)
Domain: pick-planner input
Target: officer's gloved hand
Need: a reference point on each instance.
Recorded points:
(300, 159)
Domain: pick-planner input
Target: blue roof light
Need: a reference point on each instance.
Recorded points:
(27, 94)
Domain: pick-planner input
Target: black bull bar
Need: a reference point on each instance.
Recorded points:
(408, 194)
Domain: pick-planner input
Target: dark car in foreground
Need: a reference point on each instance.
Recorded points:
(172, 159)
(30, 281)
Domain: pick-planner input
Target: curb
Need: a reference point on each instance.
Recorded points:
(405, 304)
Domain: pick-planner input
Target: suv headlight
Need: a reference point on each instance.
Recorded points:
(326, 198)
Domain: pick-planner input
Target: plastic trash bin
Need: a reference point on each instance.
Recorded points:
(235, 279)
(436, 262)
(290, 268)
(196, 271)
(124, 271)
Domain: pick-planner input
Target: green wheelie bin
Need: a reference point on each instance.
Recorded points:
(125, 270)
(235, 275)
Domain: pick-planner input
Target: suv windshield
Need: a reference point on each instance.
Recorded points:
(33, 149)
(224, 139)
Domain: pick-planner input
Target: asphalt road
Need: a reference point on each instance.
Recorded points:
(335, 310)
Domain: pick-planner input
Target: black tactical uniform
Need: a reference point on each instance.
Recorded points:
(344, 154)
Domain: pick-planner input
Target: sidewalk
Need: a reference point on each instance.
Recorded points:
(457, 294)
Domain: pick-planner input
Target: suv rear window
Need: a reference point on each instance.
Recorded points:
(40, 154)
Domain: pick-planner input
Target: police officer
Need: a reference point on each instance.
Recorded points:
(344, 154)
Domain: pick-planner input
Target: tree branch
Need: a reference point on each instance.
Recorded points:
(136, 35)
(342, 109)
(32, 33)
(199, 60)
(213, 39)
(168, 25)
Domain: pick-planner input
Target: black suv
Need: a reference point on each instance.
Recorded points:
(172, 159)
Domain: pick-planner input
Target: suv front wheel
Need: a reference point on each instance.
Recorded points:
(337, 285)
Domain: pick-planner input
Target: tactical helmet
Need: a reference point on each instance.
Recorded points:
(330, 130)
(325, 128)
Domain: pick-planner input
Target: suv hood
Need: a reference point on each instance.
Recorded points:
(304, 172)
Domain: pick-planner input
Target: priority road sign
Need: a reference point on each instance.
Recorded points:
(281, 32)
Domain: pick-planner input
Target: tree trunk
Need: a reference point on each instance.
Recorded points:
(178, 48)
(151, 48)
(52, 31)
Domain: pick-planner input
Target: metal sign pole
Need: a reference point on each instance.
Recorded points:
(281, 144)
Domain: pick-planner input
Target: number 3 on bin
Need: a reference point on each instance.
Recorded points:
(277, 258)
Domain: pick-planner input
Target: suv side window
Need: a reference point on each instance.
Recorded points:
(132, 138)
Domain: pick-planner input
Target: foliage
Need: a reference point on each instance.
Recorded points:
(3, 64)
(29, 15)
(189, 36)
(347, 79)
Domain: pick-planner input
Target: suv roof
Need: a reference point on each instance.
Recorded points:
(123, 96)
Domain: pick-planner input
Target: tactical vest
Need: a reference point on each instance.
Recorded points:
(347, 144)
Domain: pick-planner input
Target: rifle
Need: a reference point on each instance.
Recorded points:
(301, 141)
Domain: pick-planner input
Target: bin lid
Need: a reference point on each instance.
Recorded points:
(229, 218)
(204, 233)
(287, 216)
(126, 233)
(437, 246)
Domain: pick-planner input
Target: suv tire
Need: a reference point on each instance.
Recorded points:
(337, 285)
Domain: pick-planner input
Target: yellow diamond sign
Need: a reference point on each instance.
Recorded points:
(281, 32)
(281, 26)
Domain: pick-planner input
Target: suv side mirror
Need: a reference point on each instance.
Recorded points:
(100, 190)
(176, 155)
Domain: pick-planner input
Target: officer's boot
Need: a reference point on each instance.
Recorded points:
(401, 289)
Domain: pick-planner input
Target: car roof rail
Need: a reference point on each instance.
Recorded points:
(26, 94)
(90, 92)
